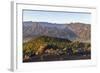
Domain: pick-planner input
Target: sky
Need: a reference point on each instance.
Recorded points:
(56, 17)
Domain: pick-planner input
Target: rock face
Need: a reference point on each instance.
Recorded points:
(72, 31)
(83, 31)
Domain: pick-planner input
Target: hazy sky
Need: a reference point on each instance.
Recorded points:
(56, 17)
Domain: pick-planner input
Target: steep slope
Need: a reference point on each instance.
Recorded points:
(72, 31)
(34, 29)
(83, 31)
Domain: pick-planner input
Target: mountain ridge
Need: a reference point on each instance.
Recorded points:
(71, 31)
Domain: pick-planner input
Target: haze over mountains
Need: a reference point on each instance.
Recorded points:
(72, 31)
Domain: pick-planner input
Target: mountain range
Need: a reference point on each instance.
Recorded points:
(71, 31)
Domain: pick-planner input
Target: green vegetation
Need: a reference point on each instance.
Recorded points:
(56, 46)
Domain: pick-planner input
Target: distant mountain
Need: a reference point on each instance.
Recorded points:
(83, 31)
(72, 31)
